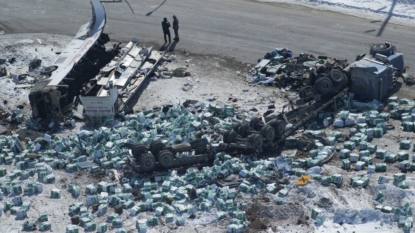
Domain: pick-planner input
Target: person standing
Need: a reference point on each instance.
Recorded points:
(176, 27)
(166, 29)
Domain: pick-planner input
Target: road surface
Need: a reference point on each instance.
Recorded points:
(239, 29)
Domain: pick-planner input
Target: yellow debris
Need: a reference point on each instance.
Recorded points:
(236, 105)
(303, 180)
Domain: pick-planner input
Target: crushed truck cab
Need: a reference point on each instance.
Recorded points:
(60, 83)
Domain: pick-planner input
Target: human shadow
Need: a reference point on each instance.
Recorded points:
(371, 30)
(173, 46)
(151, 12)
(387, 18)
(164, 46)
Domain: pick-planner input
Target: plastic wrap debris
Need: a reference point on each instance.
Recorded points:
(357, 182)
(55, 193)
(373, 105)
(29, 225)
(344, 115)
(344, 153)
(350, 121)
(405, 145)
(102, 228)
(349, 145)
(345, 164)
(45, 226)
(393, 99)
(399, 177)
(338, 122)
(402, 155)
(281, 164)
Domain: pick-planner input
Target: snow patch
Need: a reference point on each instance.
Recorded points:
(403, 10)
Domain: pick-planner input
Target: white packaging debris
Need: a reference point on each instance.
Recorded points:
(338, 122)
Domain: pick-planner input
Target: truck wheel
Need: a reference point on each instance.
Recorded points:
(268, 133)
(147, 162)
(336, 76)
(384, 49)
(232, 136)
(279, 127)
(225, 137)
(138, 150)
(254, 122)
(257, 141)
(165, 158)
(244, 130)
(236, 128)
(324, 85)
(156, 147)
(302, 93)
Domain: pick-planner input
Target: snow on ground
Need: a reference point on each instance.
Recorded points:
(24, 48)
(396, 11)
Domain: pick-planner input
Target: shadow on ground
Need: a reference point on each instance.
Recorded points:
(173, 46)
(387, 19)
(151, 12)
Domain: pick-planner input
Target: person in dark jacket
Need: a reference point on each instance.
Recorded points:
(176, 27)
(166, 29)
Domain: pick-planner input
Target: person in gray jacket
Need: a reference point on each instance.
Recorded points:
(166, 29)
(176, 28)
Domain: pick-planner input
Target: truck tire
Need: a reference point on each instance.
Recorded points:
(384, 49)
(138, 150)
(232, 136)
(225, 137)
(165, 158)
(254, 123)
(336, 77)
(268, 133)
(156, 147)
(236, 127)
(324, 85)
(244, 130)
(257, 141)
(279, 127)
(302, 93)
(147, 162)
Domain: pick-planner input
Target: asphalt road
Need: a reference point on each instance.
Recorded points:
(241, 29)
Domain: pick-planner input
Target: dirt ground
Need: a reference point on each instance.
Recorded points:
(213, 80)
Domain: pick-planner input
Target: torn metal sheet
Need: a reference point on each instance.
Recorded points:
(79, 112)
(100, 106)
(262, 63)
(86, 37)
(22, 70)
(128, 73)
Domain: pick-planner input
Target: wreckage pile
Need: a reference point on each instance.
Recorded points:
(104, 150)
(175, 198)
(196, 196)
(279, 67)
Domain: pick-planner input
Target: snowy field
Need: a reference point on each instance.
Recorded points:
(395, 11)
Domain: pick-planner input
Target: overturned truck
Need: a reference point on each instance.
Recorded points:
(60, 83)
(327, 80)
